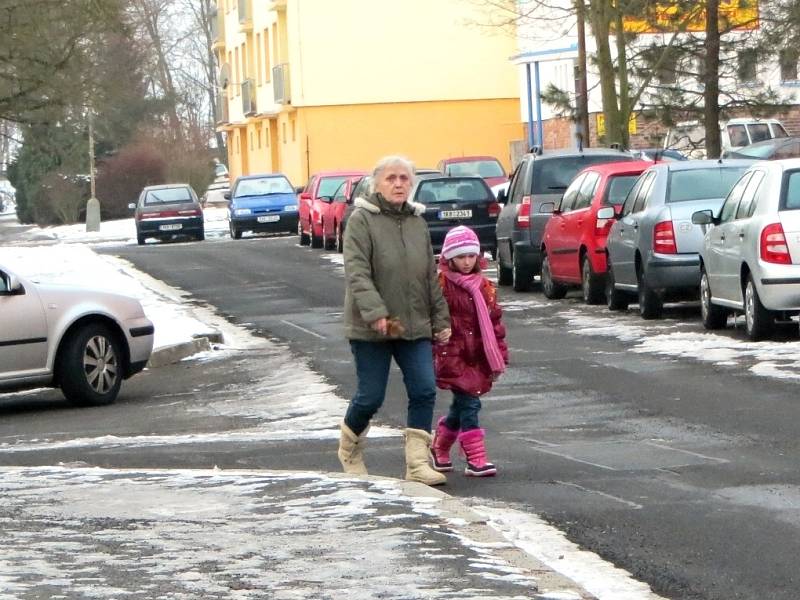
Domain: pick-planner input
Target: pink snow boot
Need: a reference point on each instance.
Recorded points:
(443, 439)
(475, 451)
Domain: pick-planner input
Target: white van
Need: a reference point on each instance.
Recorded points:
(688, 137)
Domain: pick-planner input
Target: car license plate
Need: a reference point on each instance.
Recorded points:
(170, 227)
(455, 214)
(269, 218)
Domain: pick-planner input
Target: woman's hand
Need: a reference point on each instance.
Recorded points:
(442, 336)
(380, 326)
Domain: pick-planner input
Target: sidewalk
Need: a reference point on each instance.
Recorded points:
(84, 532)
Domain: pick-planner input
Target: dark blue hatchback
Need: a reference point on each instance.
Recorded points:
(264, 203)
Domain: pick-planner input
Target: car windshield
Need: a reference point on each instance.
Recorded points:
(263, 187)
(168, 196)
(328, 185)
(477, 168)
(702, 184)
(434, 191)
(618, 188)
(552, 176)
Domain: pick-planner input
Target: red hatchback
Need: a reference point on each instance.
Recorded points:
(317, 223)
(574, 241)
(487, 167)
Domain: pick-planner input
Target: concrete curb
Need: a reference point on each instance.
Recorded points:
(168, 355)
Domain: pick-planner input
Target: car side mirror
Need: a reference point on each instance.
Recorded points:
(227, 195)
(502, 197)
(132, 206)
(305, 196)
(10, 284)
(327, 199)
(299, 189)
(703, 217)
(607, 212)
(547, 207)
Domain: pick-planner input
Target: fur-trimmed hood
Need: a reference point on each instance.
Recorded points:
(374, 202)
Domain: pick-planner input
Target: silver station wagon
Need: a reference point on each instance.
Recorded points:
(750, 259)
(83, 341)
(653, 247)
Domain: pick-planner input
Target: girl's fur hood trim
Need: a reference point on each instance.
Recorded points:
(417, 208)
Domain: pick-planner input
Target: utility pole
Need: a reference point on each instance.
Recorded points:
(93, 205)
(581, 87)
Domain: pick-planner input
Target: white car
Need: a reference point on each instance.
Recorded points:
(82, 341)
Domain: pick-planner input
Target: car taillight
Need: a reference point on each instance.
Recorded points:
(194, 212)
(150, 215)
(523, 214)
(664, 238)
(773, 245)
(494, 210)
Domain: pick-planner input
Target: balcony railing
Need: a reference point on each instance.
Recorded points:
(280, 84)
(222, 108)
(248, 97)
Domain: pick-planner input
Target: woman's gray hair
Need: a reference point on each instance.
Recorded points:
(393, 161)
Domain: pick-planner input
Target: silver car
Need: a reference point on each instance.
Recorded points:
(83, 341)
(750, 259)
(653, 247)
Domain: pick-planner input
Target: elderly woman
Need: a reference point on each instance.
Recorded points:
(393, 309)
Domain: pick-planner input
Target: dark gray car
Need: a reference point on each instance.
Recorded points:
(653, 247)
(168, 211)
(537, 184)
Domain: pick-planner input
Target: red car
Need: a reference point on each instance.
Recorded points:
(487, 167)
(317, 224)
(574, 240)
(342, 197)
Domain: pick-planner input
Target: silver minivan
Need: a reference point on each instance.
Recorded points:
(653, 247)
(750, 259)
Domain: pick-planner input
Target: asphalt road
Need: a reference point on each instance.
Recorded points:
(680, 471)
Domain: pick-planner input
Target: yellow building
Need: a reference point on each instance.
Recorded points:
(311, 85)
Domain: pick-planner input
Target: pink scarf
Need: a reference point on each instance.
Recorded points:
(473, 284)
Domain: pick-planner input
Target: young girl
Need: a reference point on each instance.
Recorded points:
(475, 355)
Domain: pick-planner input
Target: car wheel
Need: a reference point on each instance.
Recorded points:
(330, 244)
(201, 236)
(591, 283)
(714, 316)
(316, 240)
(521, 278)
(235, 233)
(505, 275)
(89, 366)
(304, 237)
(615, 299)
(339, 239)
(140, 239)
(651, 305)
(758, 321)
(551, 289)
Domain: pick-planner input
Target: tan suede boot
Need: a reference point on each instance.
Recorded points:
(418, 449)
(351, 451)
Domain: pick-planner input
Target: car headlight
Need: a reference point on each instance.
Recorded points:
(240, 212)
(290, 208)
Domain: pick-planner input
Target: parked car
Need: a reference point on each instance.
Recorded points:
(168, 211)
(574, 241)
(688, 137)
(220, 172)
(342, 199)
(487, 167)
(264, 203)
(657, 154)
(750, 257)
(452, 201)
(82, 341)
(315, 208)
(538, 182)
(785, 147)
(653, 247)
(215, 194)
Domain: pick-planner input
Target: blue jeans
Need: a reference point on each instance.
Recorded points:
(373, 359)
(464, 411)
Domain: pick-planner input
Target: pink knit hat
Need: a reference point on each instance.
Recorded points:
(460, 240)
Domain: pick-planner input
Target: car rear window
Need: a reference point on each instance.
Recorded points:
(552, 176)
(263, 187)
(791, 191)
(702, 184)
(476, 168)
(618, 188)
(328, 186)
(434, 191)
(168, 196)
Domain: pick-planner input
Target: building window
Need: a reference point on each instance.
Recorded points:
(267, 63)
(284, 131)
(788, 60)
(244, 63)
(746, 67)
(238, 82)
(230, 64)
(258, 58)
(294, 130)
(252, 140)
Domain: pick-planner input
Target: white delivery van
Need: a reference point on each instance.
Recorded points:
(688, 137)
